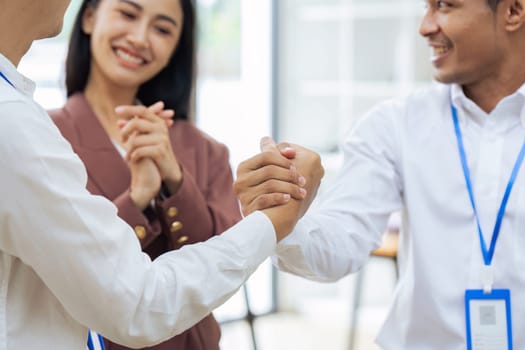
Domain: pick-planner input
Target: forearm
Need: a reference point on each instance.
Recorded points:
(97, 271)
(90, 259)
(174, 299)
(322, 250)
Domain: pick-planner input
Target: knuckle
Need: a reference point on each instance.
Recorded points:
(266, 157)
(236, 189)
(277, 198)
(267, 186)
(242, 166)
(265, 172)
(241, 178)
(263, 201)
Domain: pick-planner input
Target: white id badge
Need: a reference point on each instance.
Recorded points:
(488, 320)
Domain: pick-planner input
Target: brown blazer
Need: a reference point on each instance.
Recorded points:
(205, 204)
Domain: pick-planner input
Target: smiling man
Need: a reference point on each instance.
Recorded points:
(449, 158)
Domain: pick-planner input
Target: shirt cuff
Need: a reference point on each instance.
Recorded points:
(255, 239)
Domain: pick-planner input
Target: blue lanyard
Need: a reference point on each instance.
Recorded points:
(5, 78)
(487, 254)
(92, 344)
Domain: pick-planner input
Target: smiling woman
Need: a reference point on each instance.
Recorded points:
(129, 79)
(132, 44)
(225, 95)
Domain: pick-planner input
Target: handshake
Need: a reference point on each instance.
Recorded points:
(281, 181)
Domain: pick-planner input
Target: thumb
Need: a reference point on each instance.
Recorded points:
(287, 150)
(267, 144)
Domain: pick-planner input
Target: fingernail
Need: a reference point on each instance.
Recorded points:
(119, 109)
(302, 181)
(293, 168)
(303, 192)
(286, 197)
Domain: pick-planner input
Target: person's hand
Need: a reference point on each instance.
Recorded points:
(263, 183)
(145, 177)
(268, 179)
(145, 135)
(145, 181)
(126, 114)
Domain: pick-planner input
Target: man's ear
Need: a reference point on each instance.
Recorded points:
(514, 14)
(88, 20)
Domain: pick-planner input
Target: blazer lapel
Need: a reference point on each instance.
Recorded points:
(184, 148)
(104, 164)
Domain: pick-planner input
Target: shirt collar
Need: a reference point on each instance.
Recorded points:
(466, 108)
(457, 95)
(511, 105)
(20, 82)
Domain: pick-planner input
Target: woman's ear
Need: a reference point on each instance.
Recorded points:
(515, 15)
(88, 20)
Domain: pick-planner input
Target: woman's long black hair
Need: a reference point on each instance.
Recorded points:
(173, 85)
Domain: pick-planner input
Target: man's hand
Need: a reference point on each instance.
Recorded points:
(269, 180)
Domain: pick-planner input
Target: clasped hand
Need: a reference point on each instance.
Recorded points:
(281, 181)
(150, 157)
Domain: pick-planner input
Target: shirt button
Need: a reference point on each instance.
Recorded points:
(172, 212)
(176, 226)
(140, 231)
(182, 239)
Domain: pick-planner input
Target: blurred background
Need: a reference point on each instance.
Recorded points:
(303, 71)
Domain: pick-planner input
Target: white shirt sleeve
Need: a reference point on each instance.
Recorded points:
(91, 260)
(337, 237)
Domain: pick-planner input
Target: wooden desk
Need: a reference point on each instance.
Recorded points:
(388, 248)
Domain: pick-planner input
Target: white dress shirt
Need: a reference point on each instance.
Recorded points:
(404, 156)
(67, 262)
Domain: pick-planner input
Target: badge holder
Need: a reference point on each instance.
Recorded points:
(488, 319)
(487, 311)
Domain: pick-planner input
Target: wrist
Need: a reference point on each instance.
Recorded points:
(171, 184)
(140, 200)
(283, 218)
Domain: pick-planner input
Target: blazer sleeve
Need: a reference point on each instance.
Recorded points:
(145, 223)
(146, 227)
(202, 210)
